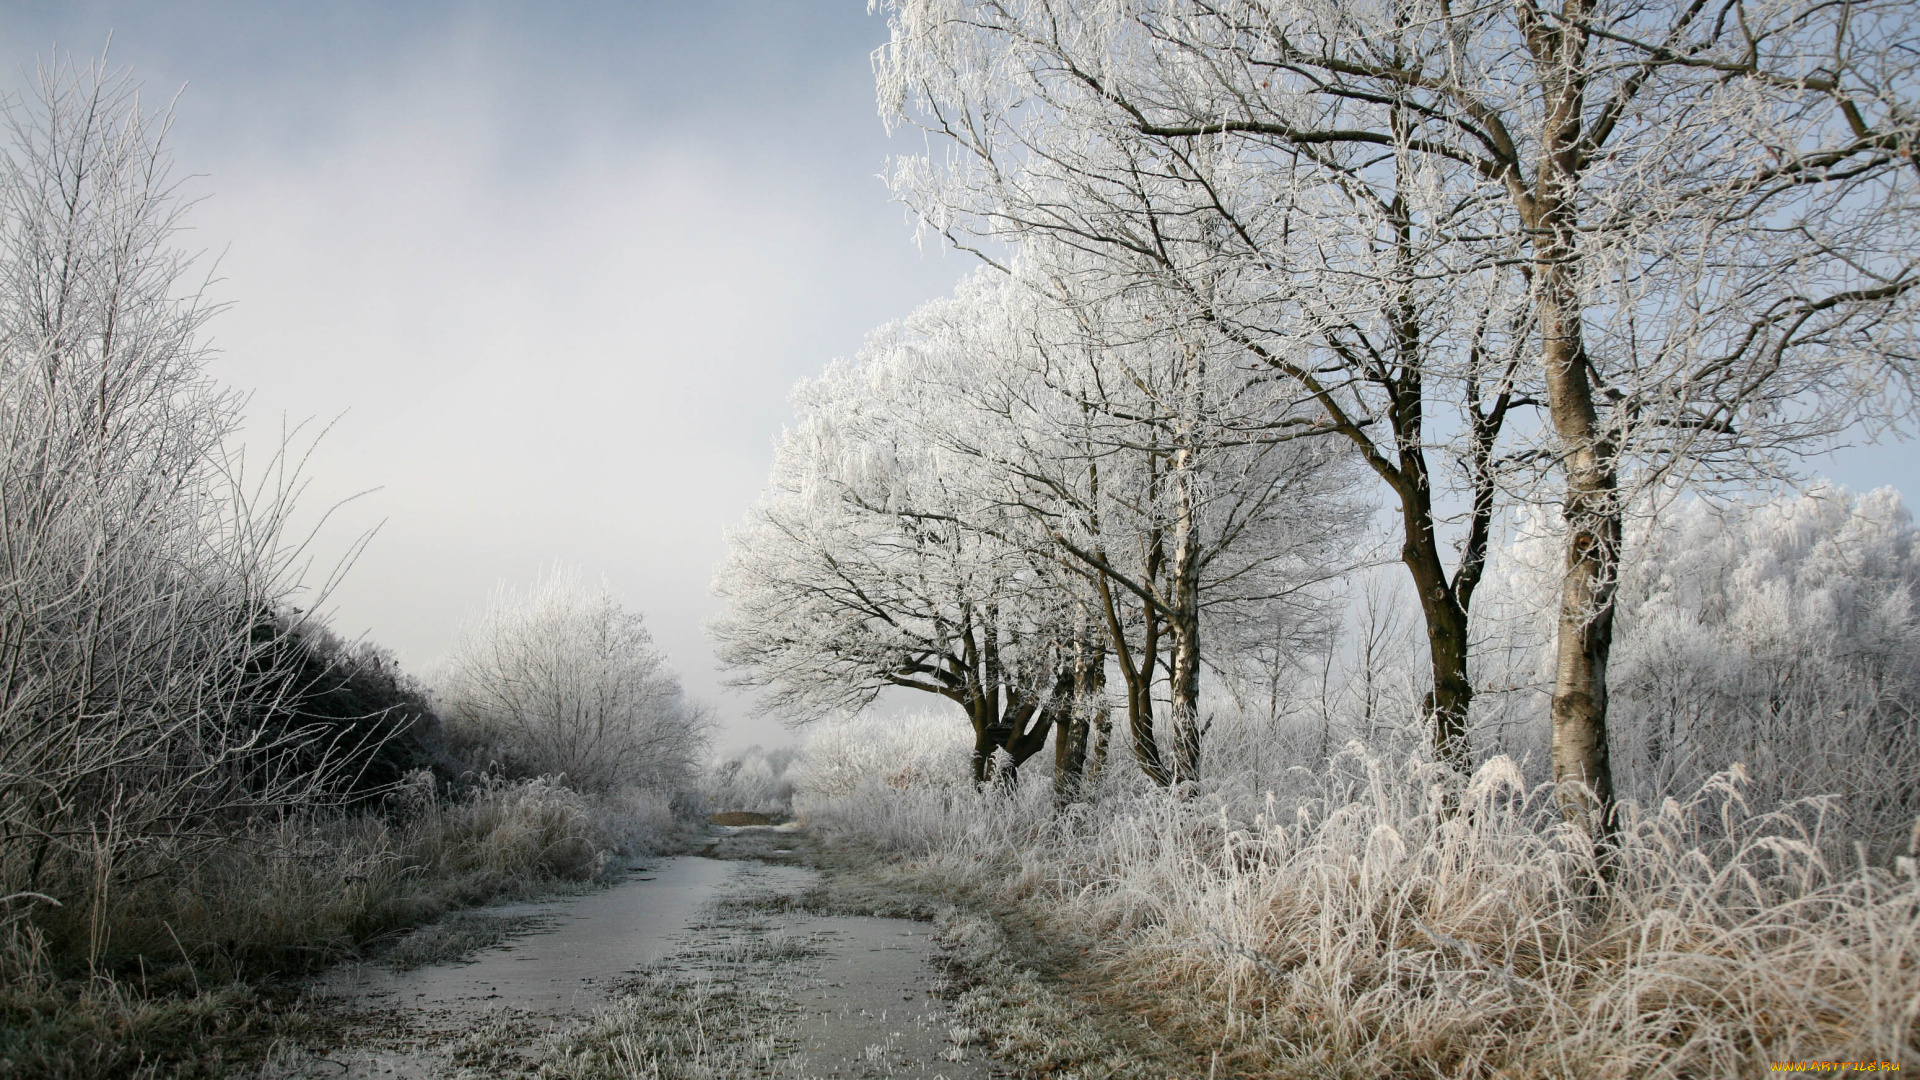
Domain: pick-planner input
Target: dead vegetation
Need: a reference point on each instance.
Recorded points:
(192, 973)
(1394, 924)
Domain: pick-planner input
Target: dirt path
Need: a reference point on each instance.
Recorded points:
(709, 965)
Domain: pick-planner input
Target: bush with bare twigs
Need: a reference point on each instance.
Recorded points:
(561, 680)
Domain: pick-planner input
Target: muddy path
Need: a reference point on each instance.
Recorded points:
(728, 962)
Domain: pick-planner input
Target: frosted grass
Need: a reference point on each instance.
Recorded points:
(1372, 918)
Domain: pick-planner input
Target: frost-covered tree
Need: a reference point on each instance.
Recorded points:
(561, 679)
(1327, 278)
(866, 566)
(1708, 210)
(1003, 494)
(1782, 635)
(1140, 461)
(143, 581)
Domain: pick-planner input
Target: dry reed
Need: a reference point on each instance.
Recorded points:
(1391, 923)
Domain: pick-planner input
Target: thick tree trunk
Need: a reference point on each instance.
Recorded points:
(1146, 744)
(1010, 726)
(1582, 772)
(1136, 673)
(1099, 716)
(983, 748)
(1451, 696)
(1581, 766)
(1001, 744)
(1074, 728)
(1069, 755)
(986, 735)
(1026, 725)
(1443, 607)
(1451, 699)
(1581, 769)
(1185, 707)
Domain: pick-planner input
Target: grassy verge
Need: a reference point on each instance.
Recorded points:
(1383, 927)
(110, 1030)
(192, 971)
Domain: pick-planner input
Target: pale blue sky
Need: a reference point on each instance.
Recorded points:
(558, 264)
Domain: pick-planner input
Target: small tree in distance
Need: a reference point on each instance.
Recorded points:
(561, 679)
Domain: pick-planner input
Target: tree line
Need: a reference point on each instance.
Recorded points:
(1249, 265)
(175, 713)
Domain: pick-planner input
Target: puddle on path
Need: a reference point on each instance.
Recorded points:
(560, 968)
(844, 997)
(869, 1010)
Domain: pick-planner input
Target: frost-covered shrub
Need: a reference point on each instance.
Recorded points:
(894, 781)
(756, 780)
(148, 703)
(356, 713)
(902, 752)
(561, 680)
(1782, 634)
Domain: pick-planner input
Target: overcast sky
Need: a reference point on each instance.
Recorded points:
(557, 265)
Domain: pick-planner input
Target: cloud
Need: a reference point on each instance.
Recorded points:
(559, 297)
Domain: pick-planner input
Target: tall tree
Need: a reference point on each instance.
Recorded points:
(1327, 272)
(1710, 208)
(1128, 455)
